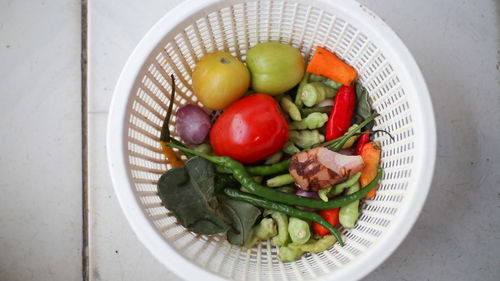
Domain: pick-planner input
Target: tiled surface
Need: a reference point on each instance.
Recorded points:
(40, 160)
(115, 27)
(457, 235)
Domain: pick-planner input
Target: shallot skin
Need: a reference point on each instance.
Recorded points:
(192, 124)
(320, 168)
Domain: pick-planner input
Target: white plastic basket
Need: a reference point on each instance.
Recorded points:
(179, 40)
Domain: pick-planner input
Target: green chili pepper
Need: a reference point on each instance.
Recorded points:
(280, 180)
(282, 208)
(312, 121)
(299, 230)
(348, 214)
(246, 180)
(334, 190)
(291, 108)
(321, 245)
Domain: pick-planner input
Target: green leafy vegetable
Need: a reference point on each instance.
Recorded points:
(363, 107)
(243, 216)
(188, 192)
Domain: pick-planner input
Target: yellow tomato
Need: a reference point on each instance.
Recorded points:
(219, 79)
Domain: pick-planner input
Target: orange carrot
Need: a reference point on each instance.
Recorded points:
(171, 156)
(371, 156)
(326, 63)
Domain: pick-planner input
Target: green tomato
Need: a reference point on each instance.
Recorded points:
(274, 67)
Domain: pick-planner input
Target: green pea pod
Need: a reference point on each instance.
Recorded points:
(290, 148)
(305, 80)
(306, 138)
(299, 230)
(348, 215)
(316, 92)
(312, 121)
(280, 180)
(282, 222)
(338, 188)
(290, 253)
(290, 108)
(275, 158)
(323, 244)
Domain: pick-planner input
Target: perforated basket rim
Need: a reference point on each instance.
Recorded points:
(407, 70)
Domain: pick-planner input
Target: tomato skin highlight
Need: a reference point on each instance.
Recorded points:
(250, 130)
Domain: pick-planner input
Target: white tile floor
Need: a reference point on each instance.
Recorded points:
(115, 252)
(40, 162)
(456, 44)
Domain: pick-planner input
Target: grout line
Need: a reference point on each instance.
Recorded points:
(85, 207)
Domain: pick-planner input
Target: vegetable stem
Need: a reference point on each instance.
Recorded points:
(165, 131)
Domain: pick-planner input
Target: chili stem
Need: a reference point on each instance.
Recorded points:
(165, 131)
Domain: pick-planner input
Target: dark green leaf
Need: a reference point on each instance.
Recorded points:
(363, 107)
(243, 216)
(188, 192)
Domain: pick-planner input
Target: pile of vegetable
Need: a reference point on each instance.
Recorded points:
(288, 159)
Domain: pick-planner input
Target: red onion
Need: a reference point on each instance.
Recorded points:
(308, 194)
(192, 123)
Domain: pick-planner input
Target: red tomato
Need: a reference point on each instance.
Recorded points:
(250, 129)
(331, 216)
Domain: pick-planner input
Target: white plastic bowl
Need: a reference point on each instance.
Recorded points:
(357, 35)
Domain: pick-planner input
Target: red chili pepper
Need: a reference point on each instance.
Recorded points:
(362, 140)
(340, 118)
(331, 216)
